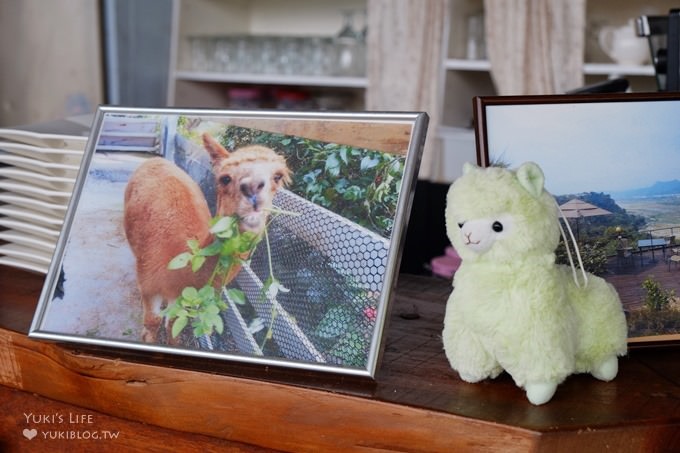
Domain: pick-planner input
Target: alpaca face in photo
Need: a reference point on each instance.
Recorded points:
(246, 181)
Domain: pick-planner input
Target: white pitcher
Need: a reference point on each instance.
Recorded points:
(623, 45)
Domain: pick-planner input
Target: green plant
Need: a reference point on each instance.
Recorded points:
(594, 257)
(656, 298)
(202, 306)
(360, 184)
(642, 323)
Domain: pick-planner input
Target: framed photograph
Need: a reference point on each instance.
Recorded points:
(613, 164)
(261, 237)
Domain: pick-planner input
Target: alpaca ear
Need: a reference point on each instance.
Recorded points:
(217, 152)
(531, 178)
(468, 167)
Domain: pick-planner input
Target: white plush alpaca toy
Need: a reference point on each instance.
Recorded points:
(512, 307)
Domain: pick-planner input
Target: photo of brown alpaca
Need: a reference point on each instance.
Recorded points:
(164, 208)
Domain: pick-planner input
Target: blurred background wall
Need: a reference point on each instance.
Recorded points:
(63, 58)
(50, 60)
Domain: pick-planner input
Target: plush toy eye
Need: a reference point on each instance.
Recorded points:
(497, 227)
(224, 180)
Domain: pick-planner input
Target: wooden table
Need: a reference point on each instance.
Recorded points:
(417, 403)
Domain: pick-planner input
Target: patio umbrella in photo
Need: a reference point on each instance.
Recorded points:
(575, 209)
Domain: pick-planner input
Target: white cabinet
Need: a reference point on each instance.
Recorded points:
(200, 24)
(466, 78)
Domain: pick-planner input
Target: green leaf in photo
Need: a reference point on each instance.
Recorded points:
(211, 250)
(256, 325)
(179, 325)
(180, 261)
(236, 296)
(333, 165)
(207, 293)
(369, 162)
(194, 245)
(197, 263)
(189, 293)
(222, 225)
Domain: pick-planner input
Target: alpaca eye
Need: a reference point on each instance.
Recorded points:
(497, 227)
(224, 180)
(279, 178)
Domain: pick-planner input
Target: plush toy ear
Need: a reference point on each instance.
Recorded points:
(531, 178)
(468, 167)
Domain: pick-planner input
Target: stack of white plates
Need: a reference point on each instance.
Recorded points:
(37, 175)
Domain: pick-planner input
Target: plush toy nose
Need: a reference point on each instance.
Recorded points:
(460, 225)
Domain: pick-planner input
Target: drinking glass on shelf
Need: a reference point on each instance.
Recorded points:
(268, 54)
(475, 46)
(246, 52)
(225, 54)
(201, 52)
(289, 56)
(315, 56)
(347, 44)
(255, 60)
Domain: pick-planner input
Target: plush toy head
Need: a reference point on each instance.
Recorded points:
(512, 307)
(495, 214)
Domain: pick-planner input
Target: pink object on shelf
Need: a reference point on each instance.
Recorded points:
(447, 264)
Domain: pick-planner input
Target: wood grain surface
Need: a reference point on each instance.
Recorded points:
(417, 403)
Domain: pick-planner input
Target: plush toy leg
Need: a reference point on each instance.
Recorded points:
(466, 354)
(607, 370)
(492, 373)
(464, 349)
(540, 392)
(472, 362)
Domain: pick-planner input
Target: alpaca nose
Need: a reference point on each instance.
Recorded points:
(251, 188)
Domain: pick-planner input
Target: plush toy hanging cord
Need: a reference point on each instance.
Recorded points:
(578, 253)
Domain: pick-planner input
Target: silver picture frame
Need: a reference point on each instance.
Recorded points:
(306, 285)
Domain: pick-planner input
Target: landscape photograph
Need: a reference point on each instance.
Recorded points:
(614, 170)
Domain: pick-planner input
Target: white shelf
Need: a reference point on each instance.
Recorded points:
(608, 69)
(458, 64)
(274, 79)
(612, 69)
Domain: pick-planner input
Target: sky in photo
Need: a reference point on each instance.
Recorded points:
(582, 147)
